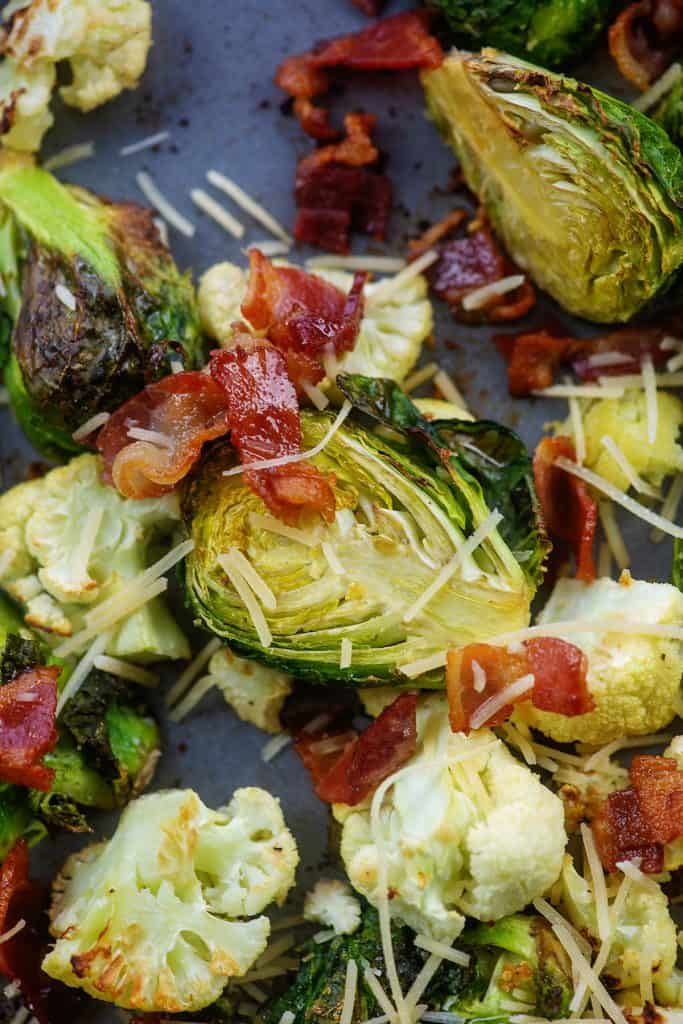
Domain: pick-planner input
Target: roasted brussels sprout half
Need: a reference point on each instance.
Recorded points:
(102, 307)
(409, 494)
(550, 32)
(585, 192)
(520, 949)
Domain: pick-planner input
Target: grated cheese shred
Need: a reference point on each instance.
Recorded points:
(443, 950)
(387, 289)
(70, 155)
(154, 437)
(378, 264)
(625, 466)
(147, 143)
(580, 391)
(255, 581)
(217, 212)
(192, 670)
(275, 746)
(650, 386)
(478, 677)
(419, 377)
(508, 695)
(481, 296)
(598, 881)
(346, 653)
(316, 396)
(159, 201)
(14, 930)
(194, 695)
(90, 426)
(615, 541)
(124, 670)
(80, 673)
(249, 205)
(332, 559)
(66, 297)
(670, 506)
(658, 88)
(449, 389)
(248, 599)
(577, 429)
(350, 988)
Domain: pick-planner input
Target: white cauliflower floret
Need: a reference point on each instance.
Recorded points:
(634, 680)
(470, 831)
(332, 903)
(105, 41)
(391, 334)
(68, 541)
(254, 691)
(145, 920)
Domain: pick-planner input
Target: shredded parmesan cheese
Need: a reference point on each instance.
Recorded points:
(499, 700)
(635, 380)
(332, 559)
(152, 194)
(675, 363)
(387, 289)
(162, 227)
(194, 695)
(378, 992)
(192, 670)
(586, 972)
(409, 531)
(627, 469)
(20, 1016)
(378, 264)
(607, 488)
(268, 247)
(12, 990)
(350, 988)
(248, 599)
(650, 385)
(316, 396)
(547, 911)
(481, 296)
(80, 673)
(632, 872)
(90, 426)
(483, 531)
(608, 359)
(66, 297)
(285, 460)
(256, 582)
(670, 506)
(70, 155)
(598, 881)
(413, 669)
(275, 746)
(419, 377)
(659, 88)
(217, 212)
(6, 936)
(419, 986)
(147, 143)
(273, 525)
(579, 391)
(287, 1017)
(154, 437)
(478, 677)
(577, 429)
(84, 548)
(249, 205)
(346, 653)
(441, 949)
(615, 541)
(266, 973)
(448, 389)
(517, 739)
(604, 559)
(124, 669)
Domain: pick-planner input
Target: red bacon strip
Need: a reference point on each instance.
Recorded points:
(645, 39)
(27, 727)
(468, 263)
(570, 513)
(187, 409)
(21, 956)
(559, 671)
(263, 418)
(368, 759)
(658, 782)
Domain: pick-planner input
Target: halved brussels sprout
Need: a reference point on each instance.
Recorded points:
(585, 192)
(409, 493)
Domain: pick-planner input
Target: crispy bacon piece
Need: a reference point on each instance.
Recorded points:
(532, 360)
(186, 410)
(645, 38)
(622, 833)
(299, 311)
(20, 957)
(368, 759)
(27, 727)
(570, 513)
(559, 671)
(338, 189)
(263, 418)
(314, 120)
(658, 782)
(468, 263)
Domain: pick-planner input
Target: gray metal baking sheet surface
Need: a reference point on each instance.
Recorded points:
(209, 83)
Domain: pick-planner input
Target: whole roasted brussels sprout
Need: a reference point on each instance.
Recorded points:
(519, 952)
(585, 192)
(409, 494)
(550, 32)
(102, 310)
(153, 919)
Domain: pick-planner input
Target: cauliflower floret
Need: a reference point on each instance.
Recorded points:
(145, 920)
(391, 334)
(105, 41)
(635, 680)
(332, 903)
(470, 831)
(625, 420)
(68, 541)
(255, 692)
(644, 928)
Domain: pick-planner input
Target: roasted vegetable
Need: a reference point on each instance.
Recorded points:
(552, 33)
(103, 307)
(151, 920)
(407, 498)
(585, 192)
(517, 952)
(669, 112)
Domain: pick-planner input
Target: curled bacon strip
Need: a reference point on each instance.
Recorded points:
(27, 727)
(559, 670)
(570, 513)
(186, 410)
(368, 759)
(469, 263)
(639, 821)
(645, 38)
(20, 957)
(263, 418)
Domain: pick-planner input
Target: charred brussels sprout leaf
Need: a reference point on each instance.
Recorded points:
(550, 32)
(403, 511)
(19, 654)
(585, 192)
(102, 305)
(669, 113)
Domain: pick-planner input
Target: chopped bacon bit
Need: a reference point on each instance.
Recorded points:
(317, 761)
(356, 149)
(27, 727)
(188, 409)
(645, 38)
(621, 833)
(263, 417)
(49, 1001)
(633, 342)
(326, 229)
(559, 670)
(315, 121)
(570, 513)
(392, 44)
(658, 781)
(469, 263)
(532, 360)
(368, 759)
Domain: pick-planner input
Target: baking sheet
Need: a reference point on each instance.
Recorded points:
(209, 83)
